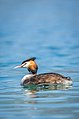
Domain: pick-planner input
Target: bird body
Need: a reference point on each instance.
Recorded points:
(43, 78)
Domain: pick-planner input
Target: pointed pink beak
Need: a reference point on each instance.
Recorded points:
(19, 66)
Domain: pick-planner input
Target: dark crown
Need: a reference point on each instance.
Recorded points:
(33, 58)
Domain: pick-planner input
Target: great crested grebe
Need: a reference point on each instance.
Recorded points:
(44, 78)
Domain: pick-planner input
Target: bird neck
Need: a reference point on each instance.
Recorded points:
(33, 67)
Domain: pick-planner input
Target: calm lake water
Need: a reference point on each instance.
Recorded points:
(48, 30)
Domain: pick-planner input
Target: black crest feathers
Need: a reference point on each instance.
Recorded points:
(32, 58)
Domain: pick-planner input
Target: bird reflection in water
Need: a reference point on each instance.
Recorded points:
(31, 90)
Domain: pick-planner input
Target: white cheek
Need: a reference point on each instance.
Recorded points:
(27, 65)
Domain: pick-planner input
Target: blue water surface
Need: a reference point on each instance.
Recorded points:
(48, 30)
